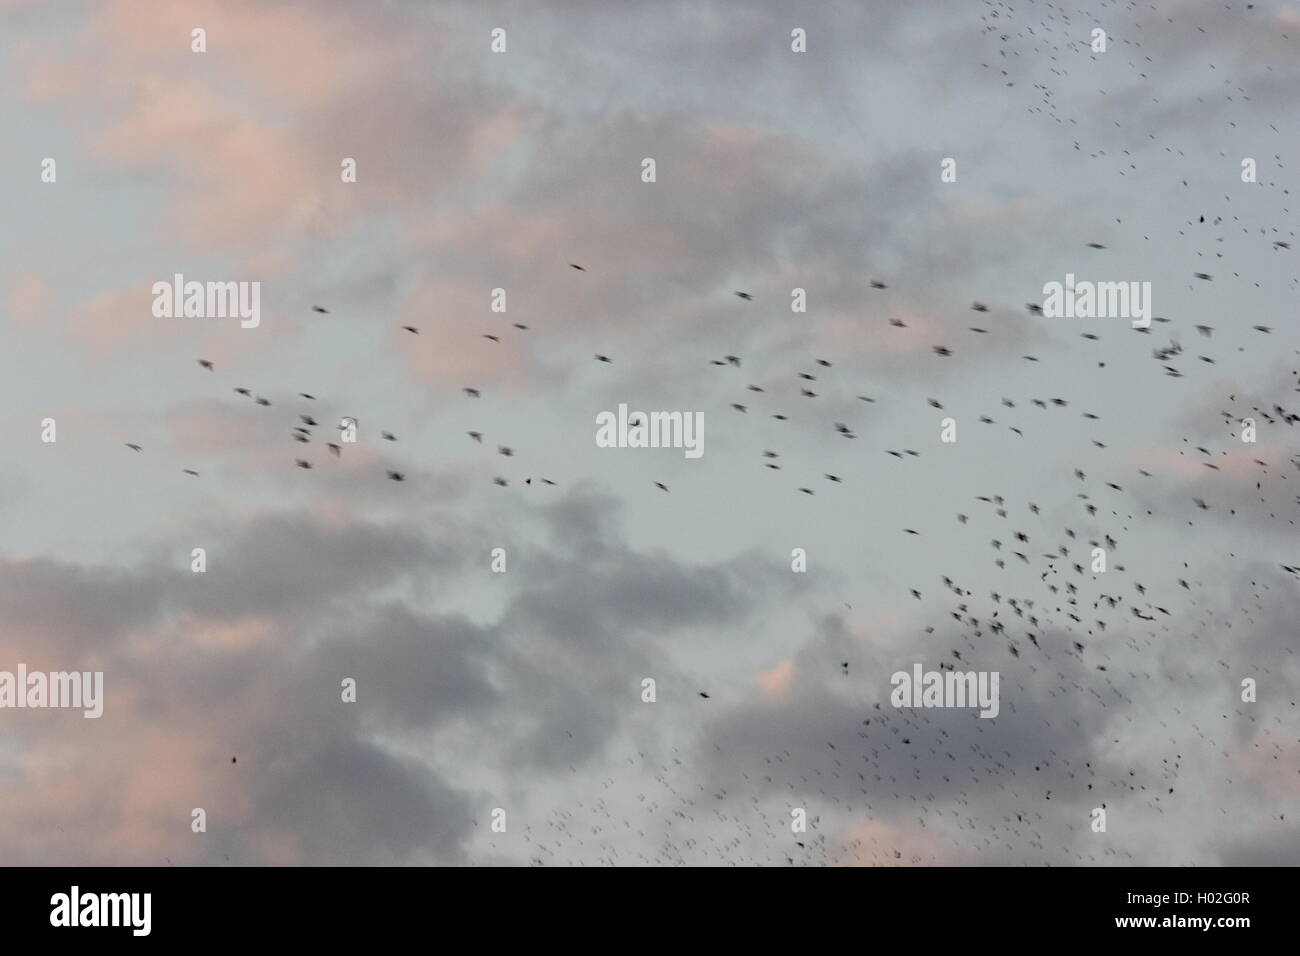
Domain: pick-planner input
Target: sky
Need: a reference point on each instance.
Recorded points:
(501, 715)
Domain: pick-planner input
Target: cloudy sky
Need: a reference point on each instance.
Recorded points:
(775, 170)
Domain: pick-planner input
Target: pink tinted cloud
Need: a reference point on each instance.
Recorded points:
(27, 299)
(116, 321)
(149, 773)
(776, 680)
(249, 136)
(877, 843)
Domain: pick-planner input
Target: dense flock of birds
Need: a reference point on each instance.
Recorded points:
(1076, 629)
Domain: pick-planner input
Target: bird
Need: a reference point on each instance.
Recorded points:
(1039, 615)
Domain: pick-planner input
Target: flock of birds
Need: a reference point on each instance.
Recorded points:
(1048, 620)
(1102, 640)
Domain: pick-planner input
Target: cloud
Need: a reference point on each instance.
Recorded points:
(523, 690)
